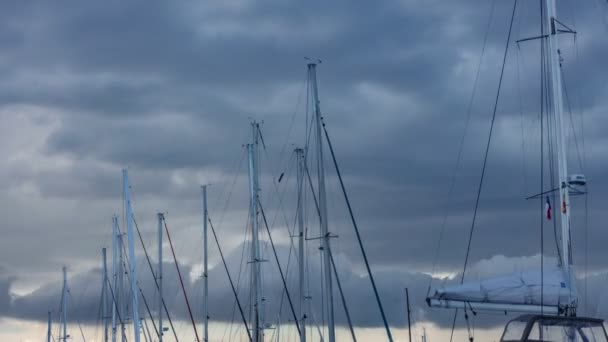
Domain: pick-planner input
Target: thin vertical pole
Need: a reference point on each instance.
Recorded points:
(323, 204)
(301, 278)
(131, 242)
(205, 268)
(114, 274)
(120, 289)
(64, 306)
(160, 277)
(258, 335)
(409, 323)
(104, 295)
(48, 333)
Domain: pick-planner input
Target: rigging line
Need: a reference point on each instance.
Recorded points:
(293, 311)
(115, 303)
(346, 312)
(155, 281)
(333, 264)
(244, 251)
(461, 146)
(149, 312)
(354, 222)
(230, 280)
(485, 159)
(77, 319)
(181, 281)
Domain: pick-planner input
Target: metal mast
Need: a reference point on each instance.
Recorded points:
(120, 288)
(160, 277)
(560, 136)
(312, 74)
(114, 274)
(104, 295)
(130, 237)
(301, 278)
(64, 305)
(48, 333)
(256, 281)
(205, 268)
(409, 322)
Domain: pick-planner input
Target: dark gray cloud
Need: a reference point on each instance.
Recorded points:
(168, 90)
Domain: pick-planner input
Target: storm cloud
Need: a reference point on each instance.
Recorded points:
(168, 89)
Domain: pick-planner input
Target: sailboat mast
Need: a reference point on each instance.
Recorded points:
(301, 274)
(104, 295)
(48, 332)
(160, 277)
(312, 74)
(560, 135)
(205, 268)
(131, 242)
(114, 274)
(64, 304)
(252, 150)
(121, 274)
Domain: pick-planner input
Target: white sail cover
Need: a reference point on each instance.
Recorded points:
(520, 292)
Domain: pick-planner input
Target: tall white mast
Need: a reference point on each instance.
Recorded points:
(256, 281)
(64, 305)
(205, 268)
(301, 278)
(561, 134)
(130, 237)
(114, 274)
(104, 295)
(160, 277)
(312, 73)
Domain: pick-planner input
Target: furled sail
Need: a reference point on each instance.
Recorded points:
(519, 292)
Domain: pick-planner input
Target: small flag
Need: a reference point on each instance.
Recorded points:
(564, 204)
(548, 208)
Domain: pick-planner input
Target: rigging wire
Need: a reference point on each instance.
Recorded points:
(293, 311)
(230, 280)
(487, 149)
(179, 274)
(356, 228)
(346, 312)
(155, 282)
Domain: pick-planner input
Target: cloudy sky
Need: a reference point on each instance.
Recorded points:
(168, 90)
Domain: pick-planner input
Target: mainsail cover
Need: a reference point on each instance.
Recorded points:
(519, 292)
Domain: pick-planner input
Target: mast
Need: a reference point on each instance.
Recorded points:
(120, 288)
(64, 305)
(312, 74)
(160, 277)
(104, 295)
(48, 332)
(560, 136)
(114, 274)
(131, 240)
(409, 322)
(256, 283)
(205, 268)
(301, 274)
